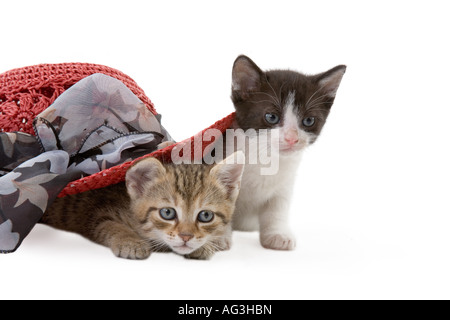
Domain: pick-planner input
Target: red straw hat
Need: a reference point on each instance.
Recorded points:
(26, 92)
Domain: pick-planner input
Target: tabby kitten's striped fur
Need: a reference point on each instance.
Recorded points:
(186, 209)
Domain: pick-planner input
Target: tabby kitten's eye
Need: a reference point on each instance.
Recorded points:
(205, 216)
(168, 213)
(272, 118)
(309, 122)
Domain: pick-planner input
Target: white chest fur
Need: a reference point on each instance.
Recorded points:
(259, 192)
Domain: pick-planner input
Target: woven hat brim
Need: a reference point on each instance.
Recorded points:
(117, 174)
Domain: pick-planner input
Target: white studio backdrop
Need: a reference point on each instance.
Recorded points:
(371, 209)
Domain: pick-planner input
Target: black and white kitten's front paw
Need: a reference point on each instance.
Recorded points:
(281, 240)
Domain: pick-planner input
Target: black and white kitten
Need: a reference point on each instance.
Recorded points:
(298, 106)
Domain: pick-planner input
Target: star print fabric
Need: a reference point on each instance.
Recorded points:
(96, 124)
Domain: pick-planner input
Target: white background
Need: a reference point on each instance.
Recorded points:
(371, 209)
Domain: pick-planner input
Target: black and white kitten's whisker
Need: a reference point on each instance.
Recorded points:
(321, 110)
(273, 90)
(315, 100)
(257, 102)
(317, 105)
(281, 88)
(274, 99)
(312, 96)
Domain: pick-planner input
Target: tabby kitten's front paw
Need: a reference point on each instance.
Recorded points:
(278, 241)
(166, 144)
(131, 248)
(200, 254)
(224, 244)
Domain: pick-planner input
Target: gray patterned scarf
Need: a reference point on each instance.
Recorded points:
(96, 124)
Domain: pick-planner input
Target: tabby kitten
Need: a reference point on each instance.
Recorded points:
(186, 209)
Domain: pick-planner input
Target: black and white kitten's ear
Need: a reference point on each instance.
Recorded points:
(229, 173)
(246, 76)
(329, 81)
(142, 175)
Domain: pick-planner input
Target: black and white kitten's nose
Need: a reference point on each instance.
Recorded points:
(291, 137)
(186, 236)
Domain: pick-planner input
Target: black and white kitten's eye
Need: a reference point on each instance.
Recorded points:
(272, 118)
(205, 216)
(168, 213)
(309, 122)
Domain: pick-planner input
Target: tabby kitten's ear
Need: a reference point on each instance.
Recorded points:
(143, 174)
(229, 173)
(246, 77)
(329, 81)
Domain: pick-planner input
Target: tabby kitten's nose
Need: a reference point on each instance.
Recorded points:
(186, 236)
